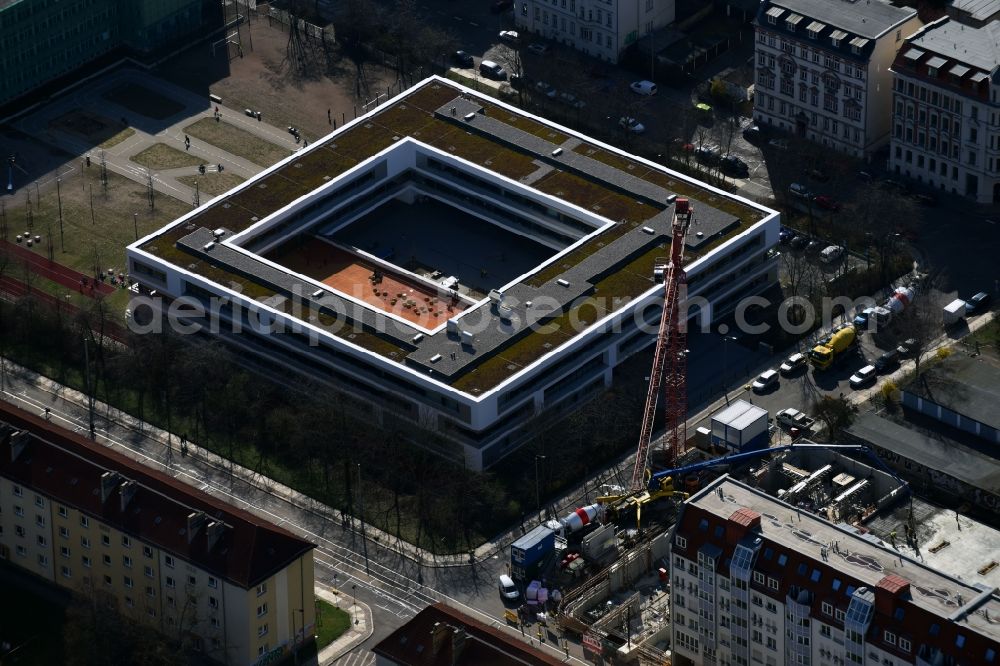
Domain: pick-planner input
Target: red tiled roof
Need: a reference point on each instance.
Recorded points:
(482, 645)
(893, 584)
(745, 517)
(67, 468)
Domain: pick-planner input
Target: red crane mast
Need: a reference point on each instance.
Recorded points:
(669, 374)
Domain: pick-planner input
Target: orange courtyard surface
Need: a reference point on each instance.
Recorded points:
(352, 275)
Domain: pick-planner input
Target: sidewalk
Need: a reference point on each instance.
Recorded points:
(360, 630)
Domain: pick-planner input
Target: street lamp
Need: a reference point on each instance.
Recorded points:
(538, 497)
(354, 591)
(725, 364)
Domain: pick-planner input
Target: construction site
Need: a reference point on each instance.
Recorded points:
(603, 572)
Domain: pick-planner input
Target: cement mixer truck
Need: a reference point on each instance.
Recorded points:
(833, 348)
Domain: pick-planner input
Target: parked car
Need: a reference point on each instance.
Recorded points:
(707, 154)
(863, 377)
(491, 70)
(766, 381)
(569, 99)
(643, 87)
(785, 235)
(818, 175)
(799, 190)
(790, 417)
(799, 242)
(925, 199)
(815, 247)
(463, 59)
(831, 254)
(895, 186)
(866, 177)
(887, 362)
(752, 133)
(907, 347)
(508, 590)
(500, 6)
(539, 49)
(977, 303)
(826, 202)
(780, 144)
(735, 165)
(510, 36)
(793, 363)
(632, 125)
(546, 89)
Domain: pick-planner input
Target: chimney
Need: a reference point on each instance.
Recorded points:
(194, 522)
(214, 532)
(888, 593)
(439, 632)
(127, 491)
(109, 481)
(742, 521)
(457, 643)
(18, 440)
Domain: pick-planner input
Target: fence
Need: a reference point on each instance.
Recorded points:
(308, 30)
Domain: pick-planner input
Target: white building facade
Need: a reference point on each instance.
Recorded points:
(597, 28)
(765, 586)
(823, 69)
(945, 110)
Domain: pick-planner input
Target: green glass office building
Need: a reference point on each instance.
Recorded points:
(43, 40)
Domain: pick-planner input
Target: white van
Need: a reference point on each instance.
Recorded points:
(643, 87)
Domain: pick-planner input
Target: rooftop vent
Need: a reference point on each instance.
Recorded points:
(127, 492)
(557, 152)
(194, 522)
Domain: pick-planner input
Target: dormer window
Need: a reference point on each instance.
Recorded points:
(811, 33)
(773, 13)
(790, 26)
(932, 72)
(836, 37)
(772, 19)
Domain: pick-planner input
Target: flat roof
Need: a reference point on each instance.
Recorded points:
(966, 385)
(863, 559)
(740, 414)
(442, 636)
(976, 47)
(631, 194)
(933, 452)
(977, 9)
(868, 19)
(954, 544)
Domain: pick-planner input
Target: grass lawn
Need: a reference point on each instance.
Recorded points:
(237, 141)
(144, 101)
(162, 156)
(212, 183)
(331, 622)
(96, 241)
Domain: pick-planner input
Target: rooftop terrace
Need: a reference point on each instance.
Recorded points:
(614, 263)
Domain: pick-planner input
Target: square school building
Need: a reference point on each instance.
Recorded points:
(450, 263)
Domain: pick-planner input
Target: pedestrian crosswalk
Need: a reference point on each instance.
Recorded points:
(356, 657)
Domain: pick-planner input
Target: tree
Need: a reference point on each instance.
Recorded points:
(920, 323)
(835, 413)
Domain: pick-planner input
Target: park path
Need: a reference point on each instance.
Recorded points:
(149, 131)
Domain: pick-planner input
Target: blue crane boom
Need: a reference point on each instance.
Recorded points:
(657, 480)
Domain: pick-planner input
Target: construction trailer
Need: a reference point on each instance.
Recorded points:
(527, 554)
(740, 427)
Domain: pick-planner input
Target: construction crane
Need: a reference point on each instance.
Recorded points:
(669, 371)
(661, 484)
(665, 478)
